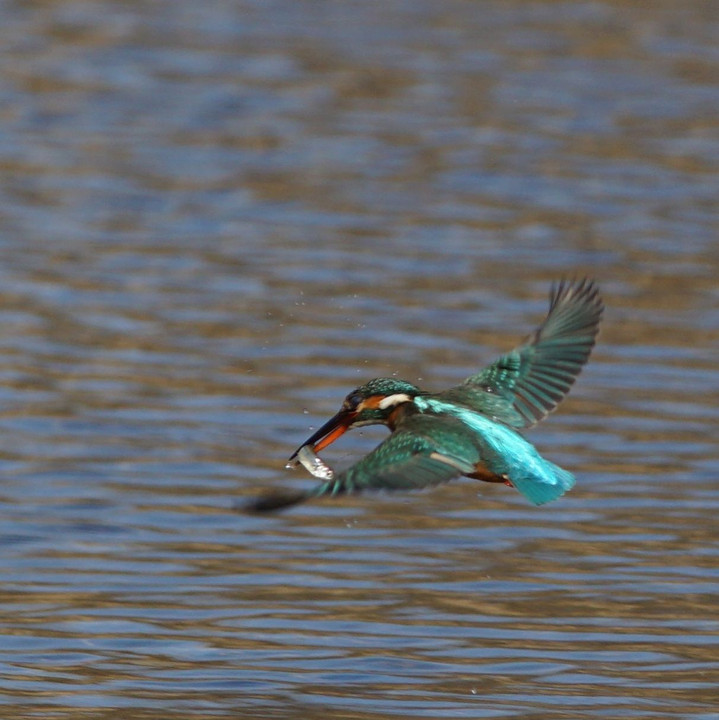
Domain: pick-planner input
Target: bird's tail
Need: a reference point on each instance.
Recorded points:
(542, 482)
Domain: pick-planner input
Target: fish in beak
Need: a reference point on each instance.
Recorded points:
(335, 427)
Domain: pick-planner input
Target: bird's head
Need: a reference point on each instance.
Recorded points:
(369, 404)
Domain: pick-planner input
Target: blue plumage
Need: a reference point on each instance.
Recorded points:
(505, 452)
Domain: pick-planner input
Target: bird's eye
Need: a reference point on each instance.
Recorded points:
(353, 401)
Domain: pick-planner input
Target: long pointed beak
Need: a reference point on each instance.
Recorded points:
(328, 433)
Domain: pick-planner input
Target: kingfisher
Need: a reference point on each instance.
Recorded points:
(471, 429)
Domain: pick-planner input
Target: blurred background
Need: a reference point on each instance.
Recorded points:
(218, 218)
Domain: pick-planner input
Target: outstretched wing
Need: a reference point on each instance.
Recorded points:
(416, 456)
(523, 386)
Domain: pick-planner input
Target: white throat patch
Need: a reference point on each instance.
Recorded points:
(391, 400)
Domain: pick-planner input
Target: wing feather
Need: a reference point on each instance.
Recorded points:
(417, 455)
(426, 451)
(524, 385)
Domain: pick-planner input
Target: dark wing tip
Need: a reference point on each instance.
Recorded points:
(575, 311)
(581, 292)
(272, 502)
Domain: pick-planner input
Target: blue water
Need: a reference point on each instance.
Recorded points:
(219, 219)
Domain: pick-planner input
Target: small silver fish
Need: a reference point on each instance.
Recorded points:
(312, 463)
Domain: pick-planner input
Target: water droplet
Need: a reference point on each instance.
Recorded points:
(305, 411)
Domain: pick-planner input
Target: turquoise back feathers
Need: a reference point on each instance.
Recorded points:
(505, 452)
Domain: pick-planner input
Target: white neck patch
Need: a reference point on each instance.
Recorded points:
(392, 400)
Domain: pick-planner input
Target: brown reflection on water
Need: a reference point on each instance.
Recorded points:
(215, 222)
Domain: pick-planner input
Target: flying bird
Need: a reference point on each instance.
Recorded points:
(471, 429)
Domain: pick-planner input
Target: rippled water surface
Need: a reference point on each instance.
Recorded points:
(216, 219)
